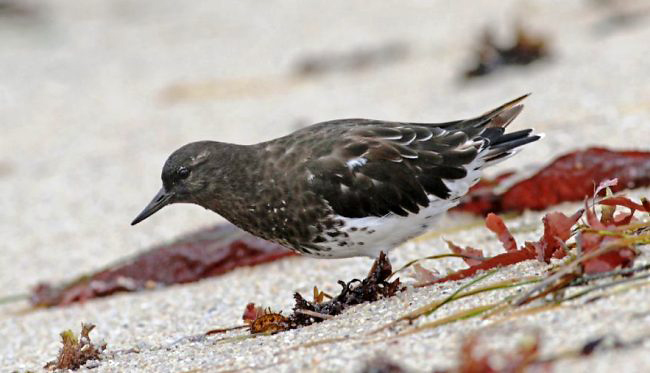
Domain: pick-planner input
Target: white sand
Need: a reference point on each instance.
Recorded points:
(87, 122)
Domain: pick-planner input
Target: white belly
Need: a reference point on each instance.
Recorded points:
(369, 236)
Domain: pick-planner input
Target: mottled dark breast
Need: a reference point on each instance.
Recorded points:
(279, 203)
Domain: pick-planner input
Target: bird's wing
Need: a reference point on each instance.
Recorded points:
(377, 168)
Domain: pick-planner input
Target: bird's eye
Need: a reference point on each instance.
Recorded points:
(183, 173)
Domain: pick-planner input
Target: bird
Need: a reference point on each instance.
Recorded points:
(342, 188)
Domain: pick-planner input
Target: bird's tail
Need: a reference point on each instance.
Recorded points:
(498, 145)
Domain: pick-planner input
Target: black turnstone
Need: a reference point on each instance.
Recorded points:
(343, 188)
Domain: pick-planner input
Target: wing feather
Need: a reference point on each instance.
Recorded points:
(375, 168)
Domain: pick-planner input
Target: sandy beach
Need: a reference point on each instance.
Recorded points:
(96, 94)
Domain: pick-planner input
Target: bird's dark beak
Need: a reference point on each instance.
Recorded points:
(161, 200)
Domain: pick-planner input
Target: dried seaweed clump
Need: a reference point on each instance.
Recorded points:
(374, 287)
(75, 353)
(260, 320)
(491, 56)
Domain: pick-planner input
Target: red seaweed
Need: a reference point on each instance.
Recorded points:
(497, 226)
(252, 313)
(557, 229)
(501, 260)
(570, 177)
(552, 244)
(621, 256)
(206, 253)
(624, 201)
(471, 255)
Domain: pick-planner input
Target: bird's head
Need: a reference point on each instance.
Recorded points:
(184, 178)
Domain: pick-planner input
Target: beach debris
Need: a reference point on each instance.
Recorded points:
(6, 169)
(361, 58)
(423, 275)
(476, 356)
(263, 320)
(372, 288)
(381, 364)
(606, 342)
(557, 229)
(13, 9)
(498, 227)
(252, 313)
(570, 177)
(610, 231)
(604, 243)
(471, 256)
(319, 296)
(269, 323)
(76, 352)
(206, 253)
(491, 56)
(619, 15)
